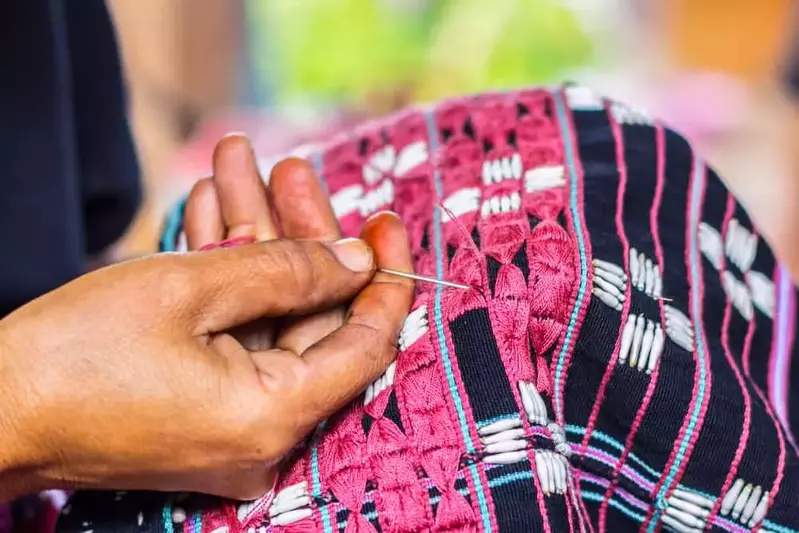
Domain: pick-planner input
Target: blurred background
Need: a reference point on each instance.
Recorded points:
(288, 71)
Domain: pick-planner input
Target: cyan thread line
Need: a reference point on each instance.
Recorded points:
(172, 227)
(565, 133)
(197, 523)
(622, 508)
(432, 136)
(494, 419)
(696, 193)
(613, 443)
(778, 528)
(317, 481)
(166, 515)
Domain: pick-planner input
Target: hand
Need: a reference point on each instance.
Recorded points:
(235, 203)
(126, 379)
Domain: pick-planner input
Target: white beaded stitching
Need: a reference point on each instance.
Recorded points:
(290, 505)
(642, 342)
(745, 503)
(679, 328)
(687, 512)
(610, 283)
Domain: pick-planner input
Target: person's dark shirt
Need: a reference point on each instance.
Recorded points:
(69, 183)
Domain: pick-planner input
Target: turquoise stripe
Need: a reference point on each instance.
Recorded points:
(172, 227)
(490, 421)
(197, 523)
(166, 515)
(599, 497)
(578, 230)
(432, 135)
(778, 528)
(510, 478)
(596, 497)
(317, 481)
(696, 193)
(613, 443)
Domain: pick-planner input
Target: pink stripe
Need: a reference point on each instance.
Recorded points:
(725, 342)
(611, 366)
(773, 387)
(653, 380)
(660, 143)
(628, 472)
(569, 510)
(780, 362)
(539, 496)
(791, 333)
(585, 518)
(641, 505)
(781, 436)
(694, 293)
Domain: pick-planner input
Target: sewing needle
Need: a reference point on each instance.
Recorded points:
(417, 277)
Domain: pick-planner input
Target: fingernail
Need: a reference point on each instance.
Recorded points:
(382, 214)
(236, 134)
(353, 254)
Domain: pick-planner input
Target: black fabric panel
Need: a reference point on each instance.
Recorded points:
(627, 386)
(515, 501)
(715, 448)
(481, 366)
(760, 355)
(594, 347)
(663, 419)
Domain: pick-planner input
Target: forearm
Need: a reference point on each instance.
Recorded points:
(18, 464)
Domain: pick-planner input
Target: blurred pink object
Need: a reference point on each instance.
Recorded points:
(36, 514)
(269, 134)
(703, 104)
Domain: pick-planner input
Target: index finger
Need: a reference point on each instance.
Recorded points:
(341, 366)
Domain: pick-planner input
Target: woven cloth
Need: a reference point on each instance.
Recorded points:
(625, 364)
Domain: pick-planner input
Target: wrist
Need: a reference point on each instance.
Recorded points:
(18, 464)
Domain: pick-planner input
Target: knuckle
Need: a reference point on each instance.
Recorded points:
(299, 266)
(174, 283)
(379, 341)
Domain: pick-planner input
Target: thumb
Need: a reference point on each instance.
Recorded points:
(234, 286)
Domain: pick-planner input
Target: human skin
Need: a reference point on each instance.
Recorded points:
(137, 376)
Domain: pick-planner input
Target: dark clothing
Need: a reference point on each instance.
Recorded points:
(791, 69)
(793, 75)
(69, 182)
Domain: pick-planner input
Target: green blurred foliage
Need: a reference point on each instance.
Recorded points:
(342, 49)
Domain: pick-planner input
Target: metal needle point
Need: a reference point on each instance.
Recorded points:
(417, 277)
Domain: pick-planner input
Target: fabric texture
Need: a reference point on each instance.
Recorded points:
(623, 362)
